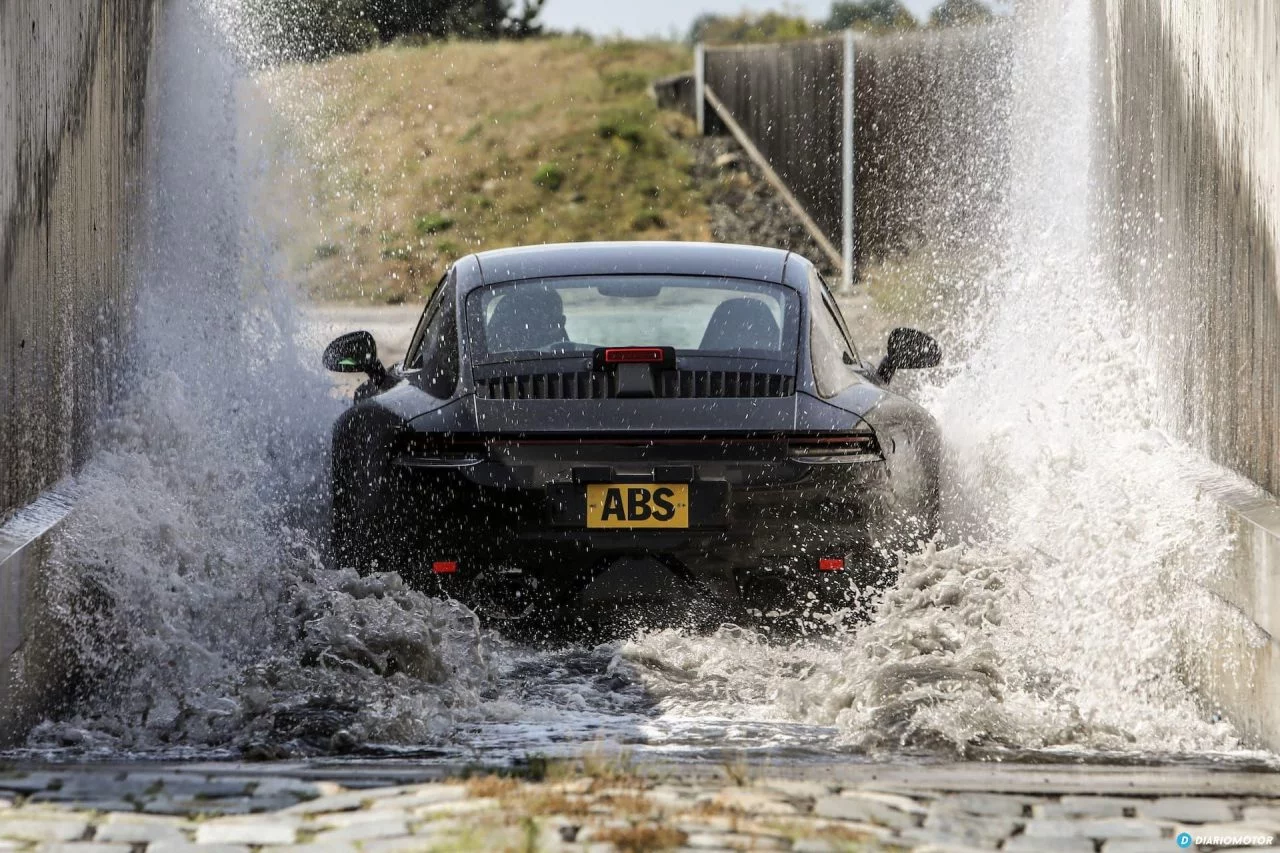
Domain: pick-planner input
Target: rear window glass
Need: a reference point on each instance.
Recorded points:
(702, 316)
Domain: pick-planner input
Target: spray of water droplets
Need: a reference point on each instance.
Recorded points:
(1049, 617)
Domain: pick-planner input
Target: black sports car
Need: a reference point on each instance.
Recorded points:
(582, 428)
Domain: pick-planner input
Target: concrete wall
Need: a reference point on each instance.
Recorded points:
(1190, 202)
(73, 78)
(72, 84)
(1192, 107)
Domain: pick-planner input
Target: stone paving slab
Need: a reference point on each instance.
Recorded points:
(250, 811)
(1188, 810)
(1048, 844)
(1073, 806)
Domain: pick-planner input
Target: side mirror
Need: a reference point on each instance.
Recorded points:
(909, 349)
(354, 352)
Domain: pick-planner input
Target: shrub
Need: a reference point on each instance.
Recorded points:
(625, 81)
(876, 16)
(748, 27)
(433, 223)
(626, 126)
(648, 218)
(292, 30)
(549, 176)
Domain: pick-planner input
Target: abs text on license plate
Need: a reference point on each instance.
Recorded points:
(638, 505)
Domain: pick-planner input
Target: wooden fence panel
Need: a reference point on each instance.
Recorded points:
(930, 129)
(788, 99)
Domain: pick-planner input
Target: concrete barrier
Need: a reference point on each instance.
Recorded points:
(72, 86)
(33, 676)
(1191, 195)
(1192, 108)
(73, 80)
(1235, 665)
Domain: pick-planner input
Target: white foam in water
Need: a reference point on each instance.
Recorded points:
(206, 621)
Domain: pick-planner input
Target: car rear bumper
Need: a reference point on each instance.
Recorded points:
(736, 532)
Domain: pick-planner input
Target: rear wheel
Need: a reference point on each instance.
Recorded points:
(369, 530)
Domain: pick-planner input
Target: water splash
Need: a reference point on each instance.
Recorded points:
(189, 578)
(1048, 619)
(1055, 616)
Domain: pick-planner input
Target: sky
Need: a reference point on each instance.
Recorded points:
(663, 17)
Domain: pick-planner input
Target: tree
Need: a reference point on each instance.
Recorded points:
(313, 29)
(877, 16)
(960, 13)
(293, 30)
(729, 29)
(438, 18)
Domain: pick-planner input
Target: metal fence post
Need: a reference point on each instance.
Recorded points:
(846, 277)
(700, 87)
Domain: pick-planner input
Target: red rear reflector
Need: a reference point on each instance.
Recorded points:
(634, 355)
(444, 567)
(831, 564)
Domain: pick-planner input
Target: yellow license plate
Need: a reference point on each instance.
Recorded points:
(638, 505)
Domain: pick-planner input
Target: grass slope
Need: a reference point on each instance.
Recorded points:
(410, 157)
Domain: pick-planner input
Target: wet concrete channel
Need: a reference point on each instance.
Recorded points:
(1068, 637)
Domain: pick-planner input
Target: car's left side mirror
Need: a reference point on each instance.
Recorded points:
(909, 349)
(354, 352)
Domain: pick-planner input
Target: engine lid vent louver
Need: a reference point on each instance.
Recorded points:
(671, 384)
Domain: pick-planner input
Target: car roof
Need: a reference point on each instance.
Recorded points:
(633, 258)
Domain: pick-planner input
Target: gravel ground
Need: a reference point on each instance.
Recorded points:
(744, 208)
(238, 808)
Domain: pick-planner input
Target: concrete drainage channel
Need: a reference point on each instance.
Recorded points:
(1236, 671)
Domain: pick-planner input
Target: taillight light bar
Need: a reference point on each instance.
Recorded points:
(443, 451)
(849, 447)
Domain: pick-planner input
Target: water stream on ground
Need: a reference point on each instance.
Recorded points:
(1050, 617)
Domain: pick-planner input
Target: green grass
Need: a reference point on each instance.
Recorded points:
(433, 223)
(550, 176)
(490, 144)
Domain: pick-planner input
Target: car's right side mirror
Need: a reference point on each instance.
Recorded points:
(909, 349)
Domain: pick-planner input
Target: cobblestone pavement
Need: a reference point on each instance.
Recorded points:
(1019, 808)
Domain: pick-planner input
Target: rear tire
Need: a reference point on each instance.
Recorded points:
(366, 531)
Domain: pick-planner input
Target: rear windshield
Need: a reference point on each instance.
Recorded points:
(697, 316)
